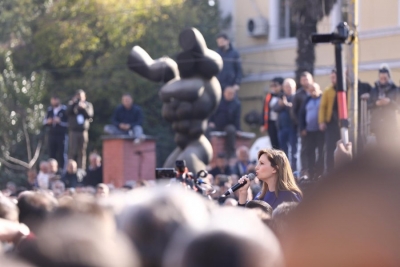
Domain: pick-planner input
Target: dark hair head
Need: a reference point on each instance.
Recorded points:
(385, 70)
(221, 155)
(223, 35)
(260, 204)
(34, 207)
(278, 80)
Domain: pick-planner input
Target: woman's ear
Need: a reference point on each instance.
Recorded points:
(275, 169)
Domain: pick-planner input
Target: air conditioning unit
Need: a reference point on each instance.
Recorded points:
(257, 27)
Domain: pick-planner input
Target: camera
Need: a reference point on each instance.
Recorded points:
(180, 166)
(341, 35)
(165, 173)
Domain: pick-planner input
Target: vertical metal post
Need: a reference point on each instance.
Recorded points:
(341, 93)
(353, 74)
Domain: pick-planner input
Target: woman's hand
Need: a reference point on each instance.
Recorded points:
(243, 190)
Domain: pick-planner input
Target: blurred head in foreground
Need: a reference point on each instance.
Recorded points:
(154, 214)
(234, 237)
(351, 218)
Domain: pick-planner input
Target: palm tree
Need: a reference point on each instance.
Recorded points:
(306, 14)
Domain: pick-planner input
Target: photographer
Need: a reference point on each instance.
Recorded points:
(80, 114)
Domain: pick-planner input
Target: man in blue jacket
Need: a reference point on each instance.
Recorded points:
(231, 74)
(127, 119)
(309, 129)
(227, 119)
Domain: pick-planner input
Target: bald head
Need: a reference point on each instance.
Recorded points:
(289, 87)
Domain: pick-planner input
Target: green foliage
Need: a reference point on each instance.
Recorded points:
(85, 44)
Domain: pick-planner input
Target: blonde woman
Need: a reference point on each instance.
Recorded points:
(279, 185)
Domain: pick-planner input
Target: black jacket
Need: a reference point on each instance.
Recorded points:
(133, 116)
(75, 113)
(59, 128)
(384, 115)
(231, 73)
(298, 101)
(228, 113)
(93, 177)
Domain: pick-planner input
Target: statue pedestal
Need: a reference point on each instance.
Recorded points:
(218, 142)
(125, 161)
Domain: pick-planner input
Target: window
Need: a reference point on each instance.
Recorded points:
(287, 28)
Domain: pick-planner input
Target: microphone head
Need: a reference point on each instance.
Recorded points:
(251, 176)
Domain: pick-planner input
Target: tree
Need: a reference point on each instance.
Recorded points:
(306, 14)
(21, 114)
(85, 44)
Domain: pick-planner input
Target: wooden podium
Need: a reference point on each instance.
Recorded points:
(124, 161)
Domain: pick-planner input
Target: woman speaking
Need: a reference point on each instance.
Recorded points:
(279, 185)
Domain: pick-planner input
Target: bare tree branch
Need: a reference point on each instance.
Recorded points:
(28, 141)
(12, 166)
(17, 161)
(36, 156)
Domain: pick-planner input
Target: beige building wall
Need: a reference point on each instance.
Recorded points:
(265, 58)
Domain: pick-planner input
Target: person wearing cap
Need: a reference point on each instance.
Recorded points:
(270, 117)
(80, 114)
(329, 121)
(384, 105)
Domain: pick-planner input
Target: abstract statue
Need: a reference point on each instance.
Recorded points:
(191, 94)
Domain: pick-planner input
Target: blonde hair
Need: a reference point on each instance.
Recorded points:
(285, 178)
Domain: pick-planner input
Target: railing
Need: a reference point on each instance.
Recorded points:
(365, 121)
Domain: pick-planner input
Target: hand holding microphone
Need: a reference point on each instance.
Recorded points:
(243, 185)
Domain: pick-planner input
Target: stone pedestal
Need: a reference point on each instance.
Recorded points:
(218, 142)
(124, 161)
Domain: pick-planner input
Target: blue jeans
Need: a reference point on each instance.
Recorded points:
(136, 131)
(288, 138)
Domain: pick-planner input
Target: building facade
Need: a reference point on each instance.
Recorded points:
(273, 51)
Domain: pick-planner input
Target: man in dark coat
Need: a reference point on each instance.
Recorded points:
(57, 124)
(227, 119)
(384, 106)
(127, 119)
(231, 74)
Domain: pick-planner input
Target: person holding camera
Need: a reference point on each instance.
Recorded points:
(80, 114)
(270, 116)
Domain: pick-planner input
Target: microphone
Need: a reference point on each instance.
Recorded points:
(250, 176)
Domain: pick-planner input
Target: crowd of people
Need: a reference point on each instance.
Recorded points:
(66, 216)
(348, 220)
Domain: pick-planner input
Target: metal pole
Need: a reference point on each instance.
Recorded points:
(341, 93)
(353, 74)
